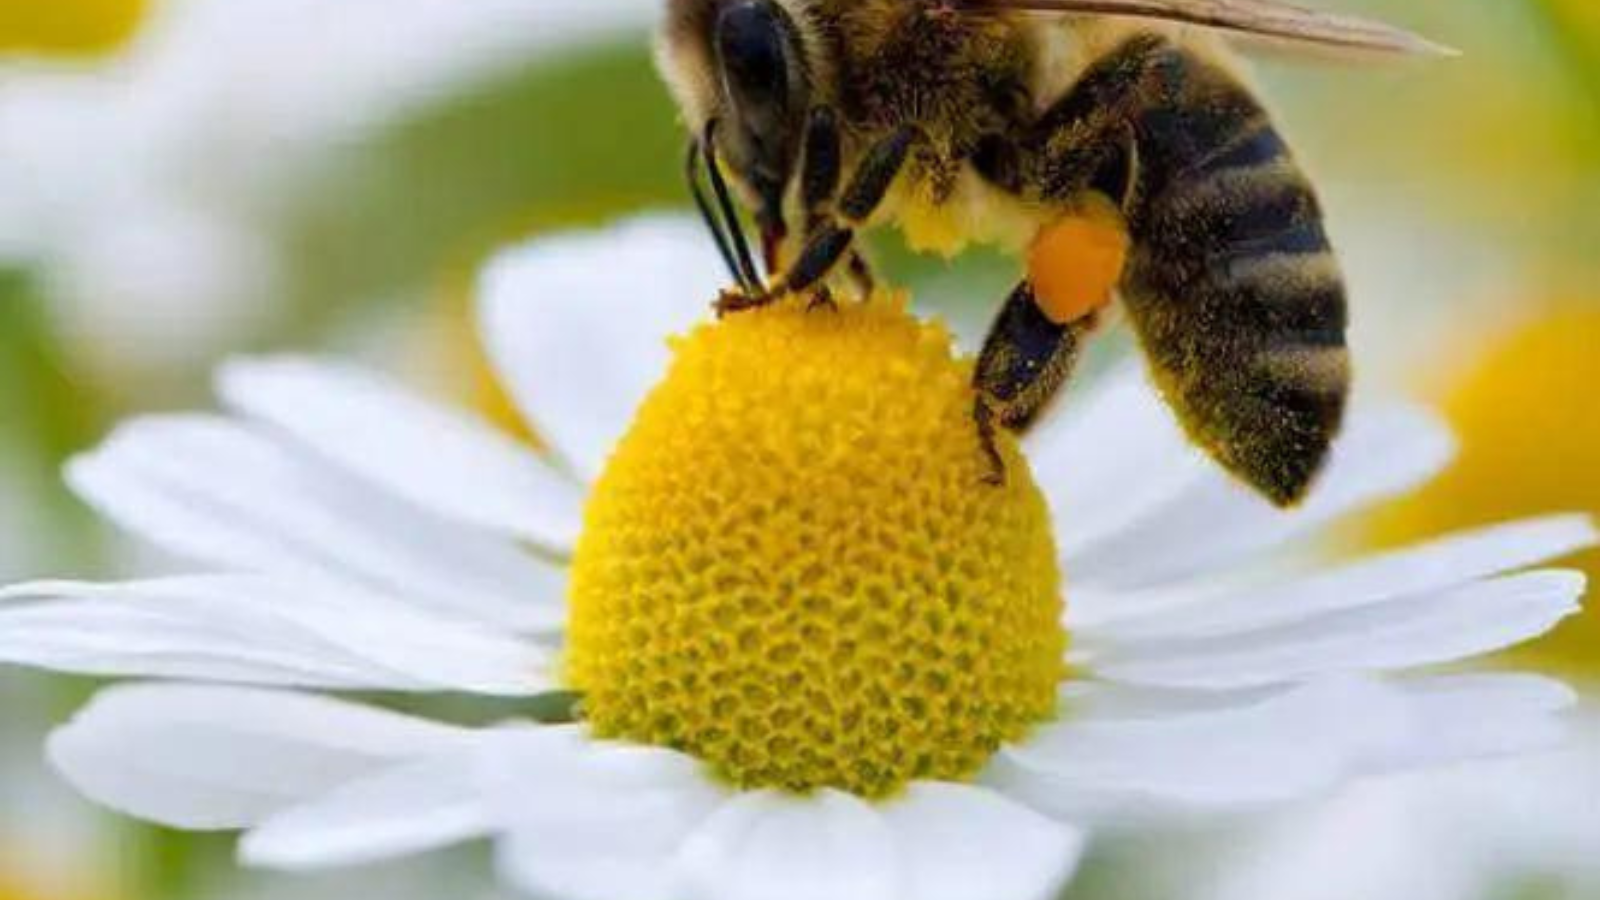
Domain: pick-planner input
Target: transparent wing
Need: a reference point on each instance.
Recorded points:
(1260, 18)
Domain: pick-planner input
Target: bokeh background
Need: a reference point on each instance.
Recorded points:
(184, 180)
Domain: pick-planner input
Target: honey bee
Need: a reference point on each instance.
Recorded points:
(1113, 145)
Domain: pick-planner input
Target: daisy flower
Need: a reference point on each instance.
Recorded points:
(772, 634)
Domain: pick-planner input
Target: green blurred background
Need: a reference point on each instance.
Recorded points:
(149, 228)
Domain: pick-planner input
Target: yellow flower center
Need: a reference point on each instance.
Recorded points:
(793, 568)
(68, 26)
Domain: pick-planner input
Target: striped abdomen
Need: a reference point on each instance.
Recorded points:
(1231, 284)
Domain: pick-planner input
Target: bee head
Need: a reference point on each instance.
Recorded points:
(742, 64)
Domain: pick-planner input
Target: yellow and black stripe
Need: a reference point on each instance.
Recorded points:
(1231, 283)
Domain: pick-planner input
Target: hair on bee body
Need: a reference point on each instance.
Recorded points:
(1112, 145)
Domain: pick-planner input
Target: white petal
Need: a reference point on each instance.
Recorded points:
(767, 845)
(1441, 627)
(1465, 716)
(1218, 523)
(1382, 578)
(263, 631)
(1111, 456)
(408, 809)
(1287, 746)
(225, 494)
(959, 842)
(1389, 841)
(440, 459)
(130, 637)
(585, 820)
(207, 758)
(1483, 715)
(1272, 748)
(593, 821)
(577, 325)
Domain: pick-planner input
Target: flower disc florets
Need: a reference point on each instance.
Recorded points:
(794, 568)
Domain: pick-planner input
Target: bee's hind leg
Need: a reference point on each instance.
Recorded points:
(1026, 360)
(833, 217)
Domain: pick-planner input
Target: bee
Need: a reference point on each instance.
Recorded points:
(1113, 145)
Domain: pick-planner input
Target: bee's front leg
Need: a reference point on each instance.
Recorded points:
(822, 166)
(820, 176)
(738, 300)
(832, 226)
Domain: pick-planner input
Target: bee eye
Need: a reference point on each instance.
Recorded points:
(756, 49)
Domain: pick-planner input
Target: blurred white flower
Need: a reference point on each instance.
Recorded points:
(361, 538)
(144, 185)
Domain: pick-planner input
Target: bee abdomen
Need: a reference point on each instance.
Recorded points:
(1233, 286)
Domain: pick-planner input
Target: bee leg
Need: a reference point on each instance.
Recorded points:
(834, 238)
(988, 437)
(737, 300)
(861, 273)
(822, 299)
(1026, 359)
(821, 166)
(820, 176)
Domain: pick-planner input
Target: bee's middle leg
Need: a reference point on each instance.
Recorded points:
(1026, 359)
(832, 224)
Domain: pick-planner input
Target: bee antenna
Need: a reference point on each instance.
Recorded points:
(747, 274)
(708, 216)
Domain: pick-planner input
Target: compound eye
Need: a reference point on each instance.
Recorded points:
(755, 46)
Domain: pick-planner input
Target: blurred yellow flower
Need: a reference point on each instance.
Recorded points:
(13, 889)
(1529, 425)
(1581, 15)
(452, 339)
(460, 350)
(68, 26)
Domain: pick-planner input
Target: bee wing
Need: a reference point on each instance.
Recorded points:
(1260, 18)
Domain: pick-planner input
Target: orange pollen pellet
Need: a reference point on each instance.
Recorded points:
(1076, 263)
